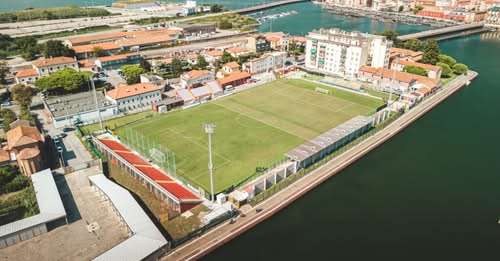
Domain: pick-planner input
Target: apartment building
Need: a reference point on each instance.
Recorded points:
(341, 53)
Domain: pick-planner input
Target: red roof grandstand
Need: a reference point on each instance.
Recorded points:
(155, 174)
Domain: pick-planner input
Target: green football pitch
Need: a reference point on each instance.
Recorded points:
(253, 128)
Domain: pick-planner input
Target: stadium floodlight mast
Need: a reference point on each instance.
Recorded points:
(210, 129)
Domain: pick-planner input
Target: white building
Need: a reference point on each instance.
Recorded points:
(341, 53)
(134, 97)
(45, 66)
(266, 63)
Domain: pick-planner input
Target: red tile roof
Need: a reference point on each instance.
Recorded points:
(26, 73)
(235, 76)
(429, 67)
(89, 48)
(195, 74)
(43, 62)
(115, 57)
(158, 176)
(124, 91)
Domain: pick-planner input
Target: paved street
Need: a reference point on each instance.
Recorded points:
(75, 153)
(198, 247)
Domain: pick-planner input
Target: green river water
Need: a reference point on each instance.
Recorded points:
(430, 193)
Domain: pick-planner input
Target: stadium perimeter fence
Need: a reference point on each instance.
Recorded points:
(303, 172)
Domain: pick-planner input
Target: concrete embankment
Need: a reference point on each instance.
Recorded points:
(218, 236)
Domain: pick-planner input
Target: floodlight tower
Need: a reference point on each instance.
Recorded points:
(210, 129)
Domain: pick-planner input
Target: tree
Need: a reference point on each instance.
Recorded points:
(215, 8)
(23, 94)
(132, 73)
(65, 80)
(460, 68)
(431, 52)
(226, 57)
(8, 117)
(392, 36)
(447, 59)
(31, 53)
(224, 25)
(99, 52)
(201, 63)
(4, 69)
(446, 70)
(415, 70)
(176, 66)
(55, 48)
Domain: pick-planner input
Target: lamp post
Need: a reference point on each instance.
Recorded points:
(210, 129)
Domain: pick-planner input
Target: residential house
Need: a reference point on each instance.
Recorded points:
(230, 67)
(404, 54)
(45, 66)
(196, 78)
(238, 51)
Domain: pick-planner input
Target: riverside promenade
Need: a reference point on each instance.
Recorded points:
(223, 233)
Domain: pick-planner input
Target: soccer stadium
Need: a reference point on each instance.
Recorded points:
(254, 129)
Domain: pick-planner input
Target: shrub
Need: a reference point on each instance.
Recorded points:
(460, 68)
(446, 70)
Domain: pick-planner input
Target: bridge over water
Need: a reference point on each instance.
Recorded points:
(267, 6)
(448, 32)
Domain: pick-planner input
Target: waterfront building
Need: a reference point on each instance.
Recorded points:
(493, 17)
(396, 81)
(433, 72)
(266, 63)
(196, 78)
(134, 97)
(341, 53)
(405, 54)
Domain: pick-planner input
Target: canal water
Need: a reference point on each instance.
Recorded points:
(431, 193)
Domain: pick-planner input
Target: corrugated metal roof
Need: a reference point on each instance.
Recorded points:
(146, 238)
(328, 138)
(49, 202)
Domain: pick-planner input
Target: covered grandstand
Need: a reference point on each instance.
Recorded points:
(177, 197)
(316, 149)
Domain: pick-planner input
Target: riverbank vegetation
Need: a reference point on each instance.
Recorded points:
(35, 14)
(214, 8)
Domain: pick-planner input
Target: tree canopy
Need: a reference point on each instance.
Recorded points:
(132, 73)
(460, 68)
(415, 70)
(447, 72)
(201, 63)
(65, 80)
(55, 48)
(443, 58)
(8, 117)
